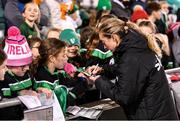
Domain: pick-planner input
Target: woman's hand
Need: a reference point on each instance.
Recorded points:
(92, 79)
(48, 92)
(94, 70)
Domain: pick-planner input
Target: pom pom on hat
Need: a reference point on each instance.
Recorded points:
(17, 48)
(139, 14)
(69, 68)
(13, 31)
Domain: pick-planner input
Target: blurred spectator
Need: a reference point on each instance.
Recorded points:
(119, 10)
(53, 33)
(57, 13)
(2, 22)
(103, 8)
(13, 13)
(138, 15)
(154, 11)
(75, 15)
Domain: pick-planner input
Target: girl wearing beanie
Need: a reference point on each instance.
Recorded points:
(31, 15)
(17, 80)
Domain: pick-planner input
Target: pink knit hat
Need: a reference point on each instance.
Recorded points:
(17, 48)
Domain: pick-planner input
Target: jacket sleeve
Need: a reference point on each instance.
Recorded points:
(129, 84)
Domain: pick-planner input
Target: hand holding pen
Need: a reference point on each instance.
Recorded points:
(94, 70)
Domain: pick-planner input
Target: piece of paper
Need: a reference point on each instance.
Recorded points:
(57, 111)
(73, 109)
(90, 113)
(30, 101)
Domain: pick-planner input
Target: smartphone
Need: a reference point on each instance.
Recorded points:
(87, 74)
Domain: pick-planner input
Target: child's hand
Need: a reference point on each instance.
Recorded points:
(33, 93)
(28, 92)
(48, 92)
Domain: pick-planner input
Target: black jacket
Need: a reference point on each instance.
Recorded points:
(141, 87)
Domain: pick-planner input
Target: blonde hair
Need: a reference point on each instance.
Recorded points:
(116, 26)
(153, 38)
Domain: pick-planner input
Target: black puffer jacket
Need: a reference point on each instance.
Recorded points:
(141, 87)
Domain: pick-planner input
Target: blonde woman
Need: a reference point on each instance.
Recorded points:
(141, 87)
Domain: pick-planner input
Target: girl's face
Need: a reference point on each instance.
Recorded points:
(20, 70)
(31, 12)
(61, 59)
(109, 43)
(35, 50)
(72, 51)
(2, 70)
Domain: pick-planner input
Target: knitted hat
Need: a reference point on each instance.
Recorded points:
(104, 5)
(139, 14)
(70, 36)
(17, 48)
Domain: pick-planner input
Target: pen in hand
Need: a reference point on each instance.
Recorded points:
(94, 70)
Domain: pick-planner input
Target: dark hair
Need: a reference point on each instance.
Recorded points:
(92, 43)
(51, 46)
(34, 40)
(3, 56)
(34, 64)
(85, 34)
(153, 6)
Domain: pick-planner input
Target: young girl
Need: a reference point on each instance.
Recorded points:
(48, 78)
(17, 80)
(31, 16)
(73, 47)
(52, 56)
(3, 58)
